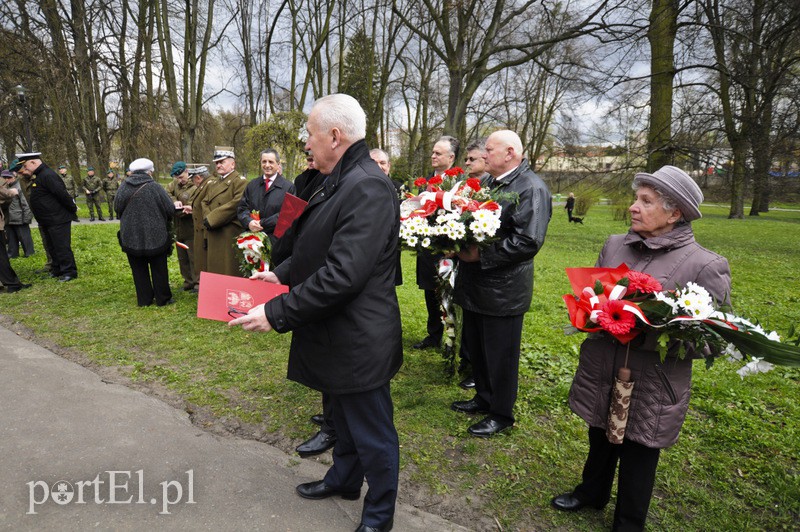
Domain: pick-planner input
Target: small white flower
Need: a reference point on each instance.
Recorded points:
(426, 242)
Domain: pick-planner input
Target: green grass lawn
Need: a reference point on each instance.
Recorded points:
(735, 466)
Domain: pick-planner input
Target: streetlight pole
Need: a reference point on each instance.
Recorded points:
(26, 119)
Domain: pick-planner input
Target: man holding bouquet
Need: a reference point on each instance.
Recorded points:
(494, 285)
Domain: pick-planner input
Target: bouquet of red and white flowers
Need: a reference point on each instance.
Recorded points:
(255, 248)
(448, 213)
(625, 303)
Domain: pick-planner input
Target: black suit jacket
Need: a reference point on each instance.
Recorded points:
(267, 202)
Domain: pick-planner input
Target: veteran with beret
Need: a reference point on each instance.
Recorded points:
(220, 201)
(180, 190)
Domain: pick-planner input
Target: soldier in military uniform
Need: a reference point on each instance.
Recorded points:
(93, 187)
(181, 190)
(72, 189)
(200, 180)
(219, 213)
(110, 186)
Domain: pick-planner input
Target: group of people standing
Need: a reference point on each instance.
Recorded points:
(340, 259)
(44, 192)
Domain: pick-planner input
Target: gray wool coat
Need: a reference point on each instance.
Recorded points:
(661, 391)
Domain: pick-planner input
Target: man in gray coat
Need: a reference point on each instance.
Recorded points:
(343, 310)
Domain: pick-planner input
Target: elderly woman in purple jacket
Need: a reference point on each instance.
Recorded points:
(661, 243)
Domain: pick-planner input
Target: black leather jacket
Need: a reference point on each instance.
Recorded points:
(501, 283)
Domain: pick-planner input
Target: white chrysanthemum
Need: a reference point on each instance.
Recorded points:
(412, 241)
(426, 242)
(695, 301)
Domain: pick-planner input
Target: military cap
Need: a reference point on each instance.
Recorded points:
(61, 167)
(15, 165)
(90, 169)
(223, 152)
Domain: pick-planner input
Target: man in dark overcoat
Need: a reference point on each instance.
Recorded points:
(54, 209)
(343, 310)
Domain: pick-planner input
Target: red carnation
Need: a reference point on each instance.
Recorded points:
(474, 183)
(420, 182)
(641, 282)
(435, 180)
(454, 171)
(614, 319)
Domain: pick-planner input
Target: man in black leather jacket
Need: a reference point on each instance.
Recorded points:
(494, 285)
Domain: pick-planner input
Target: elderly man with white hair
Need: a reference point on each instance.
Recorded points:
(145, 232)
(342, 308)
(494, 285)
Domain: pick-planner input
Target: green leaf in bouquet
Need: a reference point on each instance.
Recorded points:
(758, 345)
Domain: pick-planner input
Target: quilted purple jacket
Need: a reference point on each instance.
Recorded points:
(661, 391)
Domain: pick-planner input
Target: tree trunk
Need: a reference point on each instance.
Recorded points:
(661, 34)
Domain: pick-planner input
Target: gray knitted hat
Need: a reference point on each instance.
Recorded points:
(676, 184)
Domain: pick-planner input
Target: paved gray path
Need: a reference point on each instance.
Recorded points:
(60, 422)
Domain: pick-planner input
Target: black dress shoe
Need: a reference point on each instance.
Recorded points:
(468, 383)
(318, 419)
(468, 407)
(170, 301)
(428, 341)
(12, 289)
(316, 444)
(66, 278)
(320, 490)
(488, 427)
(385, 528)
(567, 502)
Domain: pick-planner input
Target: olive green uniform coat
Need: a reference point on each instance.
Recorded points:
(184, 229)
(110, 187)
(222, 227)
(200, 246)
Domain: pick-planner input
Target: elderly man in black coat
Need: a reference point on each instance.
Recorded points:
(54, 209)
(494, 285)
(343, 310)
(264, 196)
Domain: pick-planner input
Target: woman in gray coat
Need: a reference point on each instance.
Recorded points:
(660, 243)
(145, 214)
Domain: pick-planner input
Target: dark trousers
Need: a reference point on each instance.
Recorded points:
(367, 446)
(151, 279)
(637, 475)
(48, 246)
(328, 424)
(493, 346)
(7, 274)
(435, 327)
(59, 238)
(19, 235)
